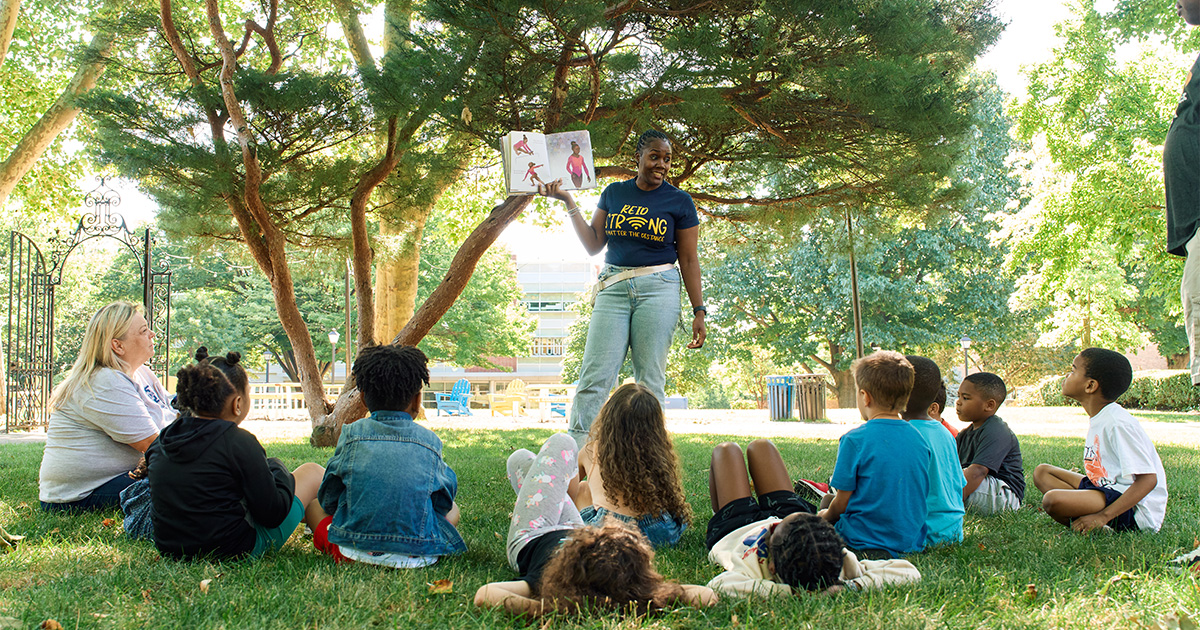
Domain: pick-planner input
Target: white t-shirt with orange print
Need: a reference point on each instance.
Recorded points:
(1116, 449)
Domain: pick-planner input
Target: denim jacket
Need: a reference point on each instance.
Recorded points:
(389, 490)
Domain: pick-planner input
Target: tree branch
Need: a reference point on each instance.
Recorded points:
(9, 9)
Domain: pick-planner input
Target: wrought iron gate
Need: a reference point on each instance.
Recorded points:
(32, 281)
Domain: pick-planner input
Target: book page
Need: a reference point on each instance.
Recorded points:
(570, 159)
(527, 162)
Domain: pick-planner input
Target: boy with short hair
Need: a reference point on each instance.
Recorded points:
(776, 544)
(882, 472)
(945, 500)
(390, 494)
(988, 450)
(1125, 487)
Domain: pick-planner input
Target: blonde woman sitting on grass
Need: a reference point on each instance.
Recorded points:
(104, 415)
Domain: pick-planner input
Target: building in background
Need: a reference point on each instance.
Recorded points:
(550, 289)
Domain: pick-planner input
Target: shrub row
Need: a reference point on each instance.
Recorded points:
(1164, 390)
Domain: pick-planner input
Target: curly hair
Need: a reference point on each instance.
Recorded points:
(647, 137)
(204, 386)
(610, 567)
(390, 375)
(638, 463)
(809, 556)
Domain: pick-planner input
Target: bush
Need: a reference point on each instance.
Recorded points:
(1050, 391)
(1163, 390)
(743, 404)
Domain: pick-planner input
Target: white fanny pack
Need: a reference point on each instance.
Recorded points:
(625, 275)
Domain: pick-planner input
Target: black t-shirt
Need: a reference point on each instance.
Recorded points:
(532, 559)
(995, 446)
(1181, 166)
(641, 224)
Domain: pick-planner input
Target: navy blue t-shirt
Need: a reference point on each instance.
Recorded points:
(641, 224)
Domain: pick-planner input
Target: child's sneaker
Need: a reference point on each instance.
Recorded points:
(811, 491)
(1190, 558)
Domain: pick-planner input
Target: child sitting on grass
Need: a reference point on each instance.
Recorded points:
(564, 564)
(881, 476)
(214, 492)
(629, 469)
(1125, 487)
(988, 450)
(388, 496)
(776, 544)
(945, 501)
(938, 406)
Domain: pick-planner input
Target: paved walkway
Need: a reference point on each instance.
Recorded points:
(1037, 421)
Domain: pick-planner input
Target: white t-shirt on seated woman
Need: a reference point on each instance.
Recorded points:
(87, 442)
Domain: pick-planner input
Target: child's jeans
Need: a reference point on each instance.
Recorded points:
(540, 482)
(662, 530)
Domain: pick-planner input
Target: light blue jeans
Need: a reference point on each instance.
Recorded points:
(638, 316)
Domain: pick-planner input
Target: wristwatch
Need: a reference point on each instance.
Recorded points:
(696, 309)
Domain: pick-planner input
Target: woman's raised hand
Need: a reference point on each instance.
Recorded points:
(554, 190)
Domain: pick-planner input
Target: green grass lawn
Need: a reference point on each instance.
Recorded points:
(1165, 416)
(78, 571)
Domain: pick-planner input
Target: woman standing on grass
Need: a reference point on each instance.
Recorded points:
(647, 225)
(104, 415)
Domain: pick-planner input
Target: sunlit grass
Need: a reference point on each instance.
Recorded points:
(86, 574)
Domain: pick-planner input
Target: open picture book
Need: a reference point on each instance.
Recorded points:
(531, 158)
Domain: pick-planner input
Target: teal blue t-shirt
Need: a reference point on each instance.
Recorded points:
(885, 463)
(946, 482)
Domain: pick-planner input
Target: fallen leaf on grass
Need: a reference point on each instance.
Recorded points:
(54, 531)
(981, 547)
(204, 585)
(733, 621)
(100, 615)
(441, 586)
(51, 624)
(108, 522)
(9, 622)
(1030, 592)
(146, 595)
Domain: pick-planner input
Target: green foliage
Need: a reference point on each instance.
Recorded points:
(488, 320)
(46, 49)
(1164, 390)
(1088, 244)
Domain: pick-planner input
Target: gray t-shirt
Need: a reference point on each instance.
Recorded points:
(87, 442)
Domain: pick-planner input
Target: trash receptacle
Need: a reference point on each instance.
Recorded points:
(779, 397)
(810, 396)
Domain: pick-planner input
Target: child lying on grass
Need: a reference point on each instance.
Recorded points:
(776, 544)
(564, 564)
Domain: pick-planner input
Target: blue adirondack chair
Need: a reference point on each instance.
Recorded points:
(457, 402)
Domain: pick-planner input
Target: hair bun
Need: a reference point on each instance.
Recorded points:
(201, 353)
(233, 358)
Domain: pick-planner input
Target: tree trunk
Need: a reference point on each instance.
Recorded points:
(396, 280)
(349, 405)
(9, 9)
(58, 117)
(846, 392)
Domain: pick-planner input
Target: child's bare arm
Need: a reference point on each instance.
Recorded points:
(514, 597)
(1142, 485)
(837, 507)
(975, 474)
(698, 596)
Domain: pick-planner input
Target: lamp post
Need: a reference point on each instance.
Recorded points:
(267, 363)
(965, 342)
(333, 339)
